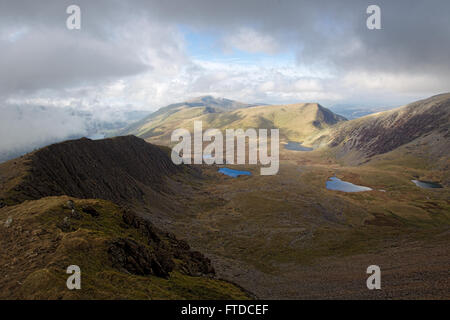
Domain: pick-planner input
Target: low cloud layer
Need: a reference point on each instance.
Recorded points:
(25, 128)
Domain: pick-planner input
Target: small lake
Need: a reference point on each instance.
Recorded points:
(234, 173)
(334, 183)
(427, 184)
(296, 146)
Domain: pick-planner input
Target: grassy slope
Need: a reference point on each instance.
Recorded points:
(35, 254)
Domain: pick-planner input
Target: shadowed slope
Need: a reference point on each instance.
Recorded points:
(118, 169)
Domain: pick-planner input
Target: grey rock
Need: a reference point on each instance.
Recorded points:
(75, 214)
(70, 204)
(8, 222)
(65, 225)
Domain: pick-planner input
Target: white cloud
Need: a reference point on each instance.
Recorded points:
(25, 128)
(134, 55)
(251, 41)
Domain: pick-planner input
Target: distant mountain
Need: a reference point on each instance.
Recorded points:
(353, 112)
(296, 121)
(425, 122)
(147, 127)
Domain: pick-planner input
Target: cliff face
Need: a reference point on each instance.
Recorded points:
(118, 169)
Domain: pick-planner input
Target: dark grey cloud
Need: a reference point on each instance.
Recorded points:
(415, 34)
(49, 59)
(327, 34)
(38, 52)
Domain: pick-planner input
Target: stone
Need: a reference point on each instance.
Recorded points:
(70, 204)
(75, 214)
(128, 255)
(8, 222)
(65, 225)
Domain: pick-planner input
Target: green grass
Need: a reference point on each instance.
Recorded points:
(87, 246)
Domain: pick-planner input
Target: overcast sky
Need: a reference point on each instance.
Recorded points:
(146, 54)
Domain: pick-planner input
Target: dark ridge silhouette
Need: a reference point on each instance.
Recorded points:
(117, 169)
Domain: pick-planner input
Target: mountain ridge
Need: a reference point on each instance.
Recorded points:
(296, 121)
(118, 169)
(207, 104)
(386, 131)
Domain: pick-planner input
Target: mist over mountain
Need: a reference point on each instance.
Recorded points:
(353, 112)
(24, 128)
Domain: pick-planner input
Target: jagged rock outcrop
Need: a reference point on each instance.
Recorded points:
(128, 255)
(119, 254)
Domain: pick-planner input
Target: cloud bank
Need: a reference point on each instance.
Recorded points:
(141, 55)
(136, 53)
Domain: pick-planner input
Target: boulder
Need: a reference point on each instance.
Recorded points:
(128, 255)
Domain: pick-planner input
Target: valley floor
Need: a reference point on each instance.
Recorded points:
(287, 237)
